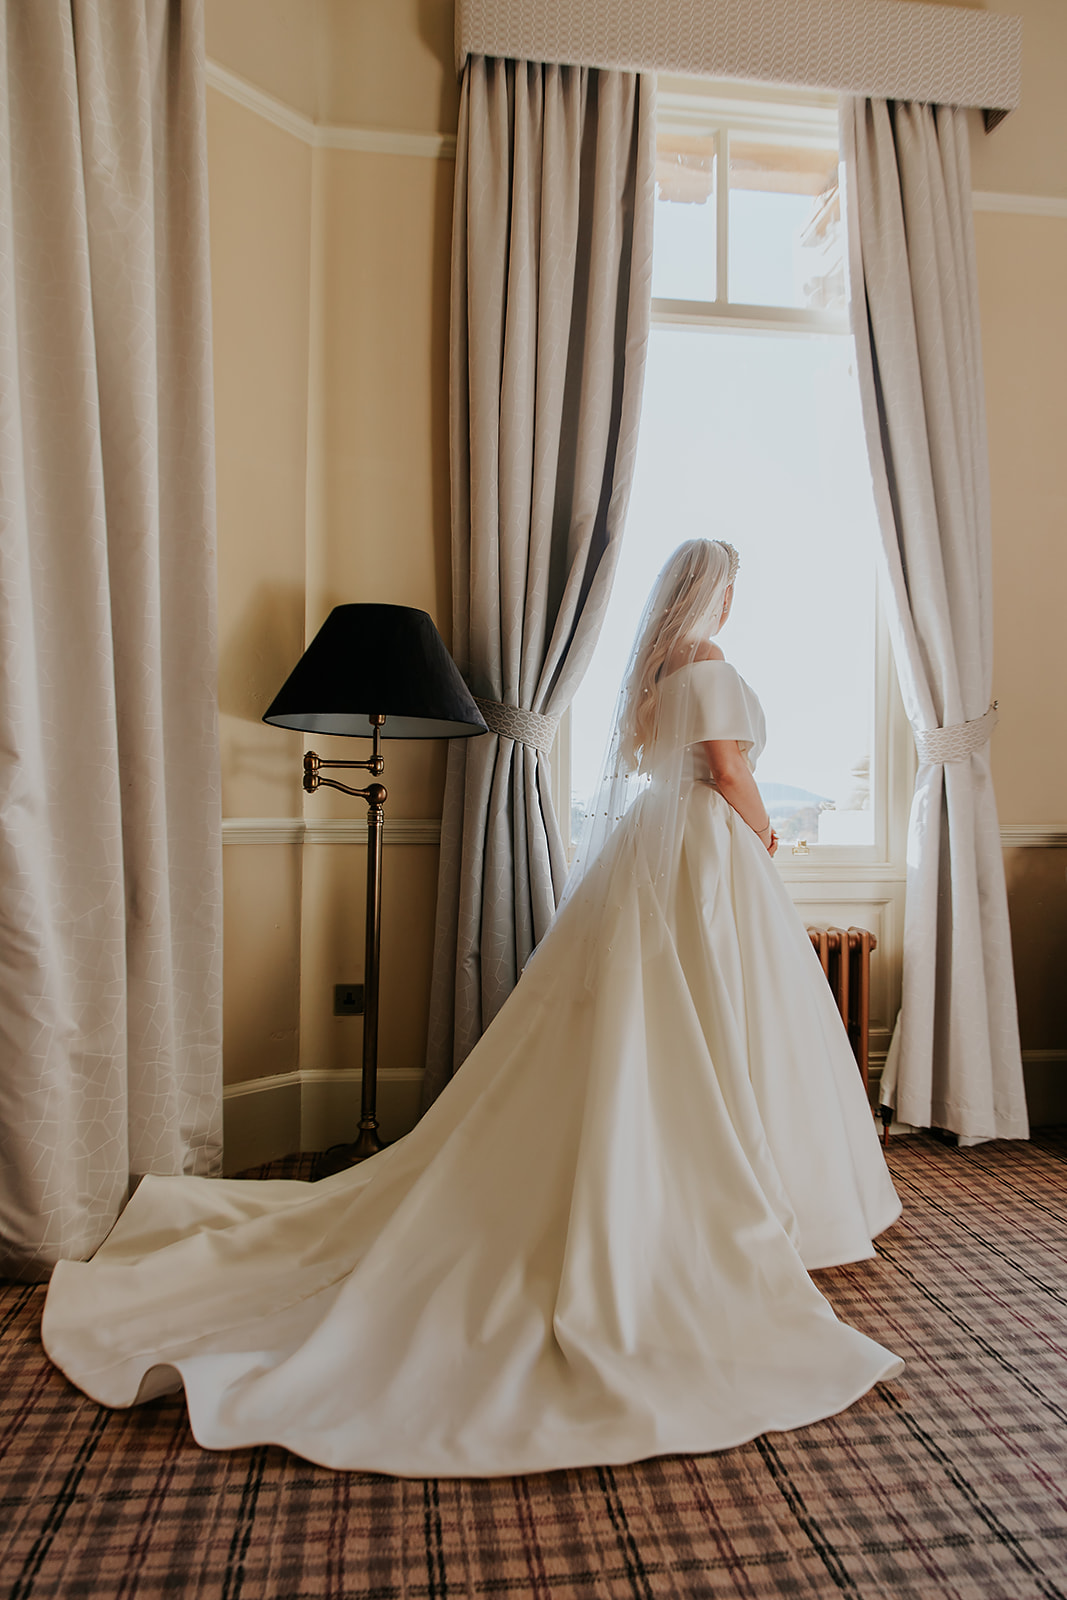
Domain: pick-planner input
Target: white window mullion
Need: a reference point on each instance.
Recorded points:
(722, 218)
(760, 319)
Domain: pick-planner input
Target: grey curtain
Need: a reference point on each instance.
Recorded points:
(551, 287)
(110, 959)
(955, 1061)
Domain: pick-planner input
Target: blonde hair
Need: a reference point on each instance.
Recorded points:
(686, 603)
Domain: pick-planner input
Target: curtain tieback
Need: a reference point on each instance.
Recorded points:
(510, 722)
(956, 742)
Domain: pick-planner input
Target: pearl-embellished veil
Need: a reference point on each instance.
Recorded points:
(646, 755)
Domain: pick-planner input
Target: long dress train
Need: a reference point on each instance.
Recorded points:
(594, 1246)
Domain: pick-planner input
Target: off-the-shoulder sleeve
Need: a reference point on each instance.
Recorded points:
(710, 700)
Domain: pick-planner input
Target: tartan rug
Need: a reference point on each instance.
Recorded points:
(950, 1482)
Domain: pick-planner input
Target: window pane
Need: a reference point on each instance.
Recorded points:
(785, 239)
(757, 438)
(683, 257)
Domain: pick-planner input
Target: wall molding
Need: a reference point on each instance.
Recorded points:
(802, 873)
(268, 1085)
(311, 1109)
(1045, 1074)
(442, 146)
(257, 100)
(263, 830)
(1034, 835)
(266, 1118)
(1020, 205)
(427, 830)
(325, 136)
(315, 1075)
(387, 142)
(328, 830)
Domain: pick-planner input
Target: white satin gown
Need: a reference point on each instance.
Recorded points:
(592, 1249)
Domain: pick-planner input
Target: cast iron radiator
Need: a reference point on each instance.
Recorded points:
(846, 960)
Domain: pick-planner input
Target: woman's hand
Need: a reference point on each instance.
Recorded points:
(732, 776)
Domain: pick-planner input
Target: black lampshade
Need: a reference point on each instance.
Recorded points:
(377, 660)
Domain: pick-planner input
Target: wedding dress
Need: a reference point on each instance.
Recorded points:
(594, 1246)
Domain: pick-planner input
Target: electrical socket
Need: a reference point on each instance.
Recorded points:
(348, 999)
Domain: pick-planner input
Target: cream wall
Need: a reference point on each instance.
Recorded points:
(1022, 271)
(330, 258)
(330, 274)
(260, 215)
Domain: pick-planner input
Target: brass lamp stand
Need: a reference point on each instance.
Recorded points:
(367, 1141)
(392, 658)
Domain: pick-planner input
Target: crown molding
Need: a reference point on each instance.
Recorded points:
(442, 146)
(327, 136)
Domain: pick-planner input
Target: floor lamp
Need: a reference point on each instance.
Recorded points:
(377, 672)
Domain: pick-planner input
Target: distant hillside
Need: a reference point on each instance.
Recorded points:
(785, 797)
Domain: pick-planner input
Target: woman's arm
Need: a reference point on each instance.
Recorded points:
(732, 776)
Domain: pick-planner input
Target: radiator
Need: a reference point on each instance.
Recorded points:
(846, 961)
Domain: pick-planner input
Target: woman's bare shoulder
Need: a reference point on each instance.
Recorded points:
(706, 650)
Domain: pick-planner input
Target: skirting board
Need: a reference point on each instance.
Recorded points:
(1045, 1080)
(1045, 1073)
(272, 1117)
(310, 1110)
(260, 1121)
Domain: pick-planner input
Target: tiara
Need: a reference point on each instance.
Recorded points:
(735, 559)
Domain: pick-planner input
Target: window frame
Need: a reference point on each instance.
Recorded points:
(806, 118)
(794, 118)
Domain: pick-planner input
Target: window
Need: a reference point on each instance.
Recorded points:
(751, 432)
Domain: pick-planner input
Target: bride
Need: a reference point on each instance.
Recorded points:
(595, 1246)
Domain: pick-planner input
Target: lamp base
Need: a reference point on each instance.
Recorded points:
(339, 1157)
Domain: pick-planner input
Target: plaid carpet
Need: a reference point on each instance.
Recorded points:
(950, 1482)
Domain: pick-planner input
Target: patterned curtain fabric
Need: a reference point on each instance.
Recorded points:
(955, 1061)
(890, 48)
(551, 295)
(110, 961)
